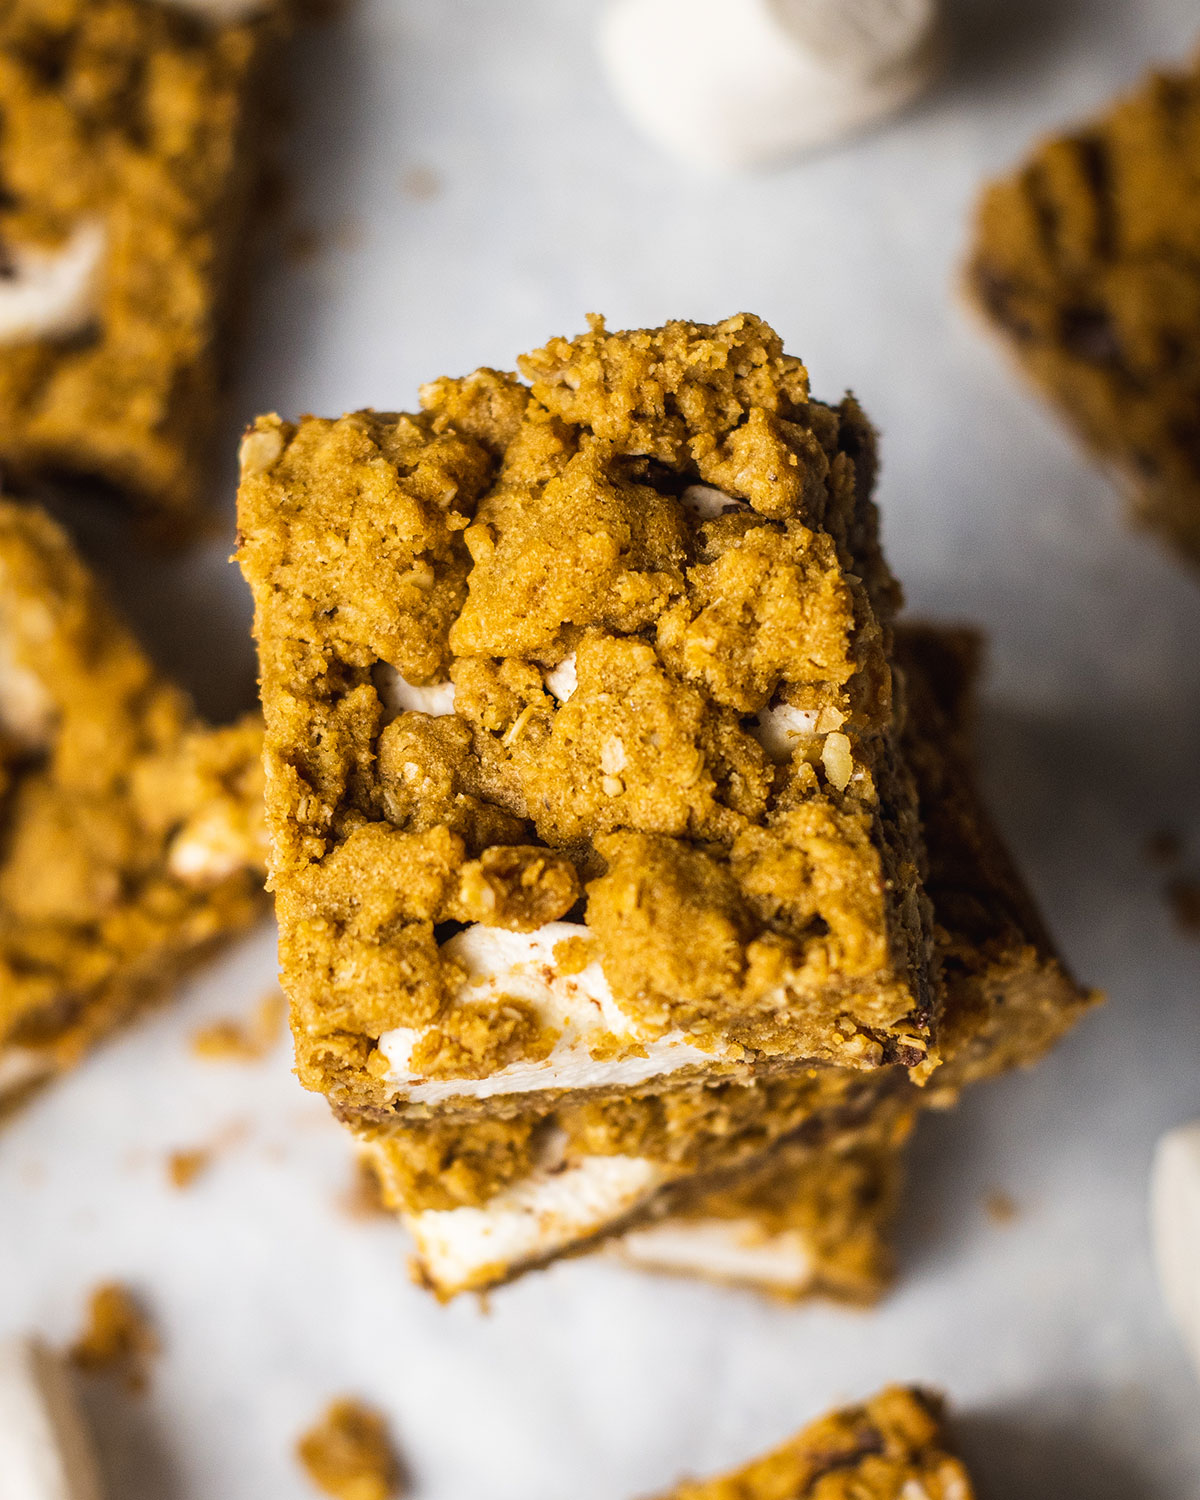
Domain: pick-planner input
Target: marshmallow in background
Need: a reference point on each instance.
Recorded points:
(45, 1452)
(1175, 1225)
(739, 83)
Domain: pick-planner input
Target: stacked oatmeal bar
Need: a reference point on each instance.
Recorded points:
(131, 166)
(131, 837)
(593, 798)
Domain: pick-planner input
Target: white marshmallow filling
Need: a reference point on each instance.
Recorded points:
(52, 294)
(737, 1250)
(535, 1219)
(598, 1045)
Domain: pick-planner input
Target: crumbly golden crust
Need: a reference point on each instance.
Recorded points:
(504, 528)
(147, 120)
(131, 838)
(890, 1448)
(1086, 262)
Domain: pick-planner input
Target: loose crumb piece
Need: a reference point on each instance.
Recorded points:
(183, 1167)
(348, 1453)
(1184, 898)
(229, 1040)
(117, 1337)
(1163, 847)
(1001, 1206)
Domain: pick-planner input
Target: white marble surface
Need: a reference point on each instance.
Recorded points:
(589, 1380)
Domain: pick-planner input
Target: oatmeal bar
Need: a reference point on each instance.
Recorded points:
(130, 164)
(486, 1202)
(130, 833)
(582, 772)
(892, 1447)
(1086, 262)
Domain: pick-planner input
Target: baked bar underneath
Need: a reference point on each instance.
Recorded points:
(131, 834)
(892, 1447)
(485, 1203)
(131, 165)
(1086, 263)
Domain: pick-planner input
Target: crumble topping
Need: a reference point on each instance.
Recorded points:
(612, 633)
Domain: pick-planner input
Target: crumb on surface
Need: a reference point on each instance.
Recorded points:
(183, 1167)
(229, 1040)
(117, 1337)
(348, 1453)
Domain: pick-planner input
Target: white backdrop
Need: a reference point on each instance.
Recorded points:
(588, 1380)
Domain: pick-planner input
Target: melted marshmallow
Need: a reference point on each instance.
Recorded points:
(399, 696)
(579, 1006)
(736, 1250)
(536, 1218)
(48, 294)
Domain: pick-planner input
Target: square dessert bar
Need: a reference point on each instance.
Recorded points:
(486, 1202)
(130, 164)
(131, 834)
(802, 1223)
(1086, 262)
(582, 765)
(892, 1447)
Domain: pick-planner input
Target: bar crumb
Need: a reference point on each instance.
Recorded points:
(230, 1040)
(348, 1454)
(184, 1167)
(117, 1337)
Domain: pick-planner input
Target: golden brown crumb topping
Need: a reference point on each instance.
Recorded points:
(140, 120)
(117, 1337)
(1087, 261)
(612, 627)
(132, 834)
(892, 1447)
(348, 1453)
(1008, 1000)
